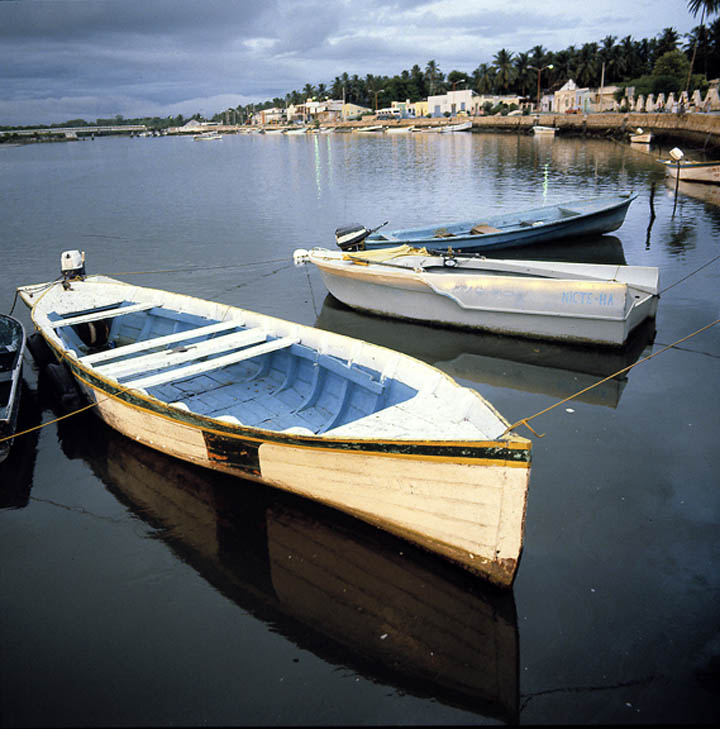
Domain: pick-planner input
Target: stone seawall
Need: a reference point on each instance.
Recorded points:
(696, 129)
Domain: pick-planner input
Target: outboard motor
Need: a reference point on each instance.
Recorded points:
(72, 264)
(352, 237)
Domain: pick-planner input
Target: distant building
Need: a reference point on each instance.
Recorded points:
(353, 112)
(452, 103)
(570, 98)
(420, 109)
(274, 115)
(494, 99)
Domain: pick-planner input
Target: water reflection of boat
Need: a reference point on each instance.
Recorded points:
(349, 593)
(698, 190)
(550, 368)
(593, 249)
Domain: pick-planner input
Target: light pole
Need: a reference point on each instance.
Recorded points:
(379, 91)
(539, 70)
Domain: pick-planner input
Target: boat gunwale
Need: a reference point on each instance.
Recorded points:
(160, 408)
(513, 228)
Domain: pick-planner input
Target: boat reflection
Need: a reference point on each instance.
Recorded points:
(699, 190)
(16, 471)
(584, 249)
(349, 593)
(537, 366)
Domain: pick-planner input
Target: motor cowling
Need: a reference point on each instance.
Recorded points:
(352, 237)
(72, 264)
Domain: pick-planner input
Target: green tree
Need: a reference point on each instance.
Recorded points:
(434, 78)
(505, 71)
(484, 79)
(672, 63)
(709, 7)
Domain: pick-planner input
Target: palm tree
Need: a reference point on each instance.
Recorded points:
(587, 64)
(484, 79)
(707, 6)
(434, 77)
(503, 63)
(668, 41)
(523, 76)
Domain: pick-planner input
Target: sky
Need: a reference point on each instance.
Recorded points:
(90, 59)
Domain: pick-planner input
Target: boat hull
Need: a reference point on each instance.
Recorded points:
(422, 492)
(597, 312)
(12, 347)
(708, 172)
(507, 232)
(464, 499)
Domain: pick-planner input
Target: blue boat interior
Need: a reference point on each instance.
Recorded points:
(226, 370)
(495, 224)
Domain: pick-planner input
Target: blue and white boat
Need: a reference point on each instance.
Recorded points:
(369, 431)
(12, 347)
(590, 216)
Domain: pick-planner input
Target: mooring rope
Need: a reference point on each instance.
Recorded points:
(524, 421)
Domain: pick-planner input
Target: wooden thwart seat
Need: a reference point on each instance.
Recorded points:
(100, 314)
(180, 355)
(181, 373)
(160, 341)
(483, 229)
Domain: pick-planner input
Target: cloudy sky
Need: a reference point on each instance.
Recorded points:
(69, 59)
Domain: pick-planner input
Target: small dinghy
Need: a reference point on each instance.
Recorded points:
(12, 347)
(590, 216)
(372, 432)
(573, 302)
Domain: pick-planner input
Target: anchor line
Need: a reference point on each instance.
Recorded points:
(525, 421)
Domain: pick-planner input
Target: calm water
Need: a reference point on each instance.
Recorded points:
(137, 590)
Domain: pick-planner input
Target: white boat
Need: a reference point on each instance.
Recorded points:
(292, 132)
(373, 129)
(543, 131)
(574, 302)
(708, 172)
(207, 137)
(641, 136)
(364, 429)
(461, 127)
(400, 130)
(274, 131)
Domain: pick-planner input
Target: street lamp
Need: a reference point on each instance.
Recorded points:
(539, 70)
(379, 91)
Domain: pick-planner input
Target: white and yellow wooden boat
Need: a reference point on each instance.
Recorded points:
(574, 302)
(372, 432)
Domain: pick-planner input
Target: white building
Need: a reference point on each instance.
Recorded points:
(453, 103)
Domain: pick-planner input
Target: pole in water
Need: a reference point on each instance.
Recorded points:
(677, 154)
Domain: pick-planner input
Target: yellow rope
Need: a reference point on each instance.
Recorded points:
(525, 422)
(50, 422)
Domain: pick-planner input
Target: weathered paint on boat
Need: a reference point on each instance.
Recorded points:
(433, 465)
(590, 303)
(592, 216)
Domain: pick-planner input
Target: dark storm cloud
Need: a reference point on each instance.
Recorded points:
(84, 58)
